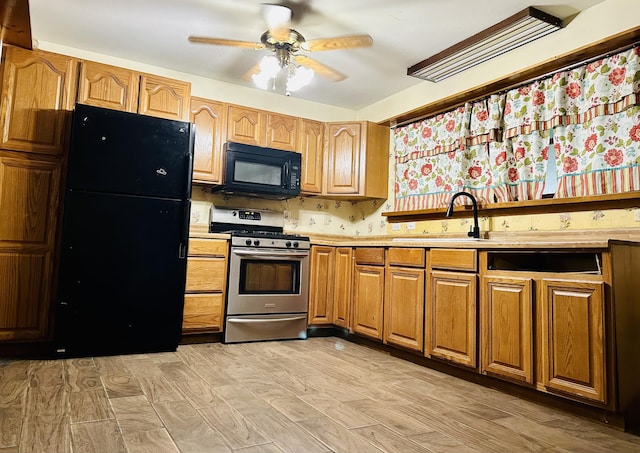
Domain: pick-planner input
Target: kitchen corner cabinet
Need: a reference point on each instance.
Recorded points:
(261, 128)
(356, 160)
(368, 292)
(164, 98)
(108, 86)
(404, 298)
(205, 286)
(506, 328)
(311, 145)
(321, 285)
(450, 319)
(38, 90)
(209, 118)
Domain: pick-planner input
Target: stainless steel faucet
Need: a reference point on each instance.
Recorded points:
(474, 232)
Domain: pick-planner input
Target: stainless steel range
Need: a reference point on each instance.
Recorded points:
(268, 293)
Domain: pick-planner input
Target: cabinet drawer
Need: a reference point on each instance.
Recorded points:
(206, 274)
(400, 256)
(455, 259)
(370, 255)
(202, 312)
(215, 247)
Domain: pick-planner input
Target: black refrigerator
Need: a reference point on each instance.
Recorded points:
(125, 233)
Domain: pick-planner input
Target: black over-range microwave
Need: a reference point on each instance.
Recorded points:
(262, 172)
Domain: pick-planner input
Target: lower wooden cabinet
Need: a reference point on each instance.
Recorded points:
(404, 298)
(205, 286)
(29, 193)
(450, 331)
(573, 338)
(368, 301)
(506, 328)
(321, 285)
(404, 307)
(342, 289)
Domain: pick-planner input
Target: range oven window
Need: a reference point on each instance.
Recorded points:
(257, 173)
(269, 277)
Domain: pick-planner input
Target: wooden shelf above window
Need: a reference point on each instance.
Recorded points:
(544, 206)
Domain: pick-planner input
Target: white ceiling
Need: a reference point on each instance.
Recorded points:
(404, 33)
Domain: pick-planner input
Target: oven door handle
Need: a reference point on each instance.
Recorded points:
(271, 255)
(258, 321)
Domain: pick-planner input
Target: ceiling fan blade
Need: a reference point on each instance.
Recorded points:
(226, 42)
(278, 19)
(249, 74)
(342, 42)
(319, 68)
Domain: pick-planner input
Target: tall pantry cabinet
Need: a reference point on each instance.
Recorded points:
(39, 91)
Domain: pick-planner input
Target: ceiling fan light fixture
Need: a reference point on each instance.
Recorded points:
(297, 76)
(300, 77)
(521, 28)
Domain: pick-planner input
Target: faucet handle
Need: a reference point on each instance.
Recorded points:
(474, 232)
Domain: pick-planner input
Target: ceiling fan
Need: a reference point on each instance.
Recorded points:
(287, 43)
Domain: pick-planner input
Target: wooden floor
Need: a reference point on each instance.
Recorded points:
(318, 395)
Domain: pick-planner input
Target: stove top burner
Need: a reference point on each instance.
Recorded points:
(267, 234)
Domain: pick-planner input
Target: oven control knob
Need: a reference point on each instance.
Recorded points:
(288, 243)
(256, 242)
(295, 245)
(248, 242)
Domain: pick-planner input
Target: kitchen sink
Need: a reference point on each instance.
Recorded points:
(436, 240)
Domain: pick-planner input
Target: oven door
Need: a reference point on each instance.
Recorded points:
(267, 281)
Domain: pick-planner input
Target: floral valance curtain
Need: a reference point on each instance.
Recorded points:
(498, 148)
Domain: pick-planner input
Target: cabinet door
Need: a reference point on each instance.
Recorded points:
(37, 90)
(343, 158)
(451, 318)
(506, 326)
(164, 98)
(321, 285)
(404, 307)
(342, 288)
(206, 274)
(368, 301)
(209, 118)
(28, 219)
(107, 86)
(282, 132)
(245, 125)
(311, 145)
(573, 349)
(203, 313)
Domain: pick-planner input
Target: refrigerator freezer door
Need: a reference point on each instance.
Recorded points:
(120, 152)
(121, 277)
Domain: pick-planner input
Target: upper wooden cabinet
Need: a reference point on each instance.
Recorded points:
(281, 132)
(356, 160)
(311, 145)
(261, 128)
(108, 86)
(130, 91)
(164, 98)
(37, 88)
(210, 120)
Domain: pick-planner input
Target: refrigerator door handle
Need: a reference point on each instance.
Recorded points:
(184, 241)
